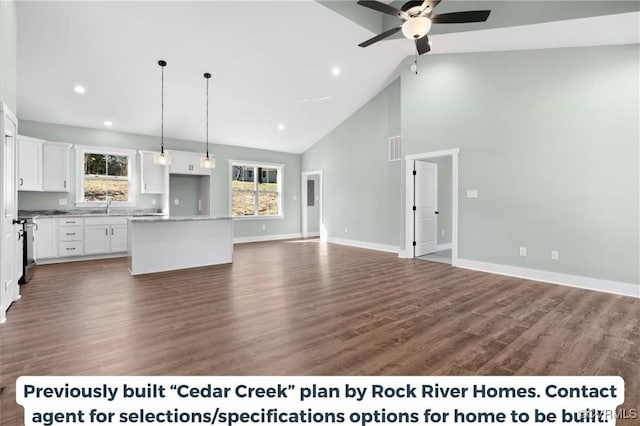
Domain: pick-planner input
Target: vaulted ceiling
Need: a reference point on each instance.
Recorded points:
(271, 61)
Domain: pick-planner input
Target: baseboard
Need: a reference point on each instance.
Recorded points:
(443, 247)
(52, 260)
(364, 244)
(606, 286)
(311, 235)
(260, 238)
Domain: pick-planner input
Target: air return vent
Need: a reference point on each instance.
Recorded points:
(394, 148)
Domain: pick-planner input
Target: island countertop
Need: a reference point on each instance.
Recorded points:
(174, 218)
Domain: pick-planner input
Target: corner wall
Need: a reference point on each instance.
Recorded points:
(361, 186)
(549, 138)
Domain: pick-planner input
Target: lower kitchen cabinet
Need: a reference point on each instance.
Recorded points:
(45, 238)
(105, 235)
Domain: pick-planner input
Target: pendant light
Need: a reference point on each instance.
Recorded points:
(162, 158)
(207, 162)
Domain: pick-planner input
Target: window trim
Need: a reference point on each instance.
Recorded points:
(244, 163)
(80, 150)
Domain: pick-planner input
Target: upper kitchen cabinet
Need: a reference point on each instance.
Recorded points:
(55, 161)
(187, 163)
(152, 176)
(43, 165)
(29, 164)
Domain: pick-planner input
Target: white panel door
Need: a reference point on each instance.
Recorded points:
(426, 202)
(10, 244)
(118, 238)
(96, 239)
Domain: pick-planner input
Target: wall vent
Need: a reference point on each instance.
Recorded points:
(395, 154)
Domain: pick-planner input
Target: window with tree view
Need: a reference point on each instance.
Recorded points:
(105, 176)
(256, 190)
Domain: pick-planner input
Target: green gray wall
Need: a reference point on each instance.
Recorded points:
(8, 54)
(549, 138)
(185, 189)
(290, 224)
(361, 187)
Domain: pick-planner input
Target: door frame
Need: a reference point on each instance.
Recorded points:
(408, 205)
(303, 204)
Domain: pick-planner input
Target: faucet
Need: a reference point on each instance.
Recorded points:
(108, 204)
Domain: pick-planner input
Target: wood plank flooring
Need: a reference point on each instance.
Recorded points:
(308, 308)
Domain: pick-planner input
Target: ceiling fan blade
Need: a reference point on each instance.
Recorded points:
(422, 44)
(379, 37)
(384, 8)
(428, 6)
(461, 17)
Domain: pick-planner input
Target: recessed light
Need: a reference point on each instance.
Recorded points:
(335, 71)
(280, 126)
(108, 123)
(79, 89)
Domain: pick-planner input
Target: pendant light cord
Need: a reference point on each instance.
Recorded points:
(162, 112)
(207, 118)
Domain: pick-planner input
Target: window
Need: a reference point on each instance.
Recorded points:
(103, 173)
(256, 190)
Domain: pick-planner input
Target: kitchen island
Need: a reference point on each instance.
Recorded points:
(167, 243)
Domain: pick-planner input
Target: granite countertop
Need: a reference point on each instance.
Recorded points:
(24, 214)
(175, 218)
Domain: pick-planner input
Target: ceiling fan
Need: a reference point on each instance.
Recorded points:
(417, 17)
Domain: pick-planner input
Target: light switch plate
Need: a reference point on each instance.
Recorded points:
(523, 251)
(554, 254)
(176, 202)
(472, 193)
(62, 201)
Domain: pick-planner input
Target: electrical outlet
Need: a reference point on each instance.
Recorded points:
(442, 233)
(346, 229)
(554, 254)
(153, 201)
(472, 193)
(176, 202)
(199, 205)
(295, 198)
(264, 227)
(523, 251)
(62, 201)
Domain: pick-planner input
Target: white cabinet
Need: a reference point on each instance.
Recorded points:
(70, 237)
(43, 165)
(152, 176)
(45, 238)
(186, 163)
(29, 164)
(55, 170)
(96, 239)
(118, 238)
(105, 235)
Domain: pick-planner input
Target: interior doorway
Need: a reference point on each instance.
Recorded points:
(312, 203)
(431, 206)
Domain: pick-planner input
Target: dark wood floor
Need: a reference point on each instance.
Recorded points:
(306, 308)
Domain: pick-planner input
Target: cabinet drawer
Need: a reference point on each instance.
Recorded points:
(71, 233)
(71, 221)
(70, 248)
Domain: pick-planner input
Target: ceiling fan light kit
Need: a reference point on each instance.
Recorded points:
(417, 18)
(415, 28)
